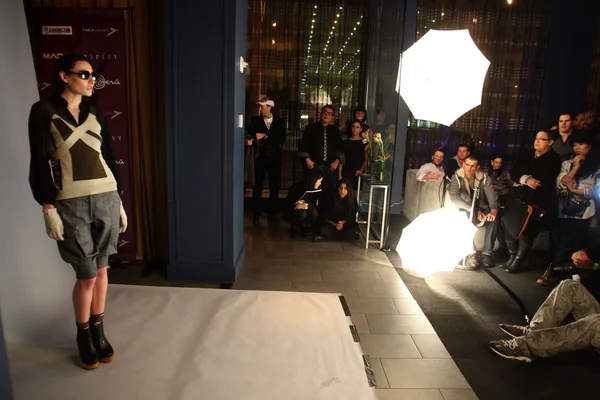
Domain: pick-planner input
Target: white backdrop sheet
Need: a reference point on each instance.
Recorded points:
(182, 343)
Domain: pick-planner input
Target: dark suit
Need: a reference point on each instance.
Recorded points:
(268, 157)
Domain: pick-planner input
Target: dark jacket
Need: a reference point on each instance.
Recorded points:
(545, 169)
(501, 180)
(270, 145)
(298, 191)
(312, 144)
(452, 167)
(340, 209)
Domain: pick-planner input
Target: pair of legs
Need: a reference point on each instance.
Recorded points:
(89, 296)
(91, 231)
(305, 222)
(518, 249)
(491, 231)
(488, 246)
(544, 337)
(262, 165)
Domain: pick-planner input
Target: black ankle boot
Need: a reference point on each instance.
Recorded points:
(85, 345)
(515, 266)
(103, 348)
(511, 246)
(511, 259)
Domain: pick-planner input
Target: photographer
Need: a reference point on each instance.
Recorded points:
(545, 337)
(576, 205)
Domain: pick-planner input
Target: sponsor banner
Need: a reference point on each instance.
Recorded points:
(100, 36)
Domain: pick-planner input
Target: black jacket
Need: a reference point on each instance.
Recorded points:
(312, 144)
(298, 190)
(545, 169)
(270, 145)
(340, 209)
(452, 167)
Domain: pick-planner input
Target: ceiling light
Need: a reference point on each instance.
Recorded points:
(274, 24)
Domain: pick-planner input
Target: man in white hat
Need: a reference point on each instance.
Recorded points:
(268, 134)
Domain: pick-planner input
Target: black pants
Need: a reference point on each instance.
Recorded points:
(568, 236)
(263, 164)
(307, 220)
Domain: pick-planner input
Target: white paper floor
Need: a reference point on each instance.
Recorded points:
(180, 343)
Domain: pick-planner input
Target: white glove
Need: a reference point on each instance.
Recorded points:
(123, 226)
(54, 225)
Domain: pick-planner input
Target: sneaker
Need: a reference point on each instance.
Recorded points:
(514, 330)
(471, 263)
(510, 350)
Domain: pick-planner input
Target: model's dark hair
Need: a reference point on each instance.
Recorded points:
(464, 145)
(65, 63)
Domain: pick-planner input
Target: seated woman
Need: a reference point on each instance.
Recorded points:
(576, 185)
(339, 215)
(302, 209)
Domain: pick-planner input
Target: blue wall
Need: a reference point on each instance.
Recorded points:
(204, 95)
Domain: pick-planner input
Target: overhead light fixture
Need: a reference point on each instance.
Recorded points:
(274, 24)
(509, 2)
(273, 41)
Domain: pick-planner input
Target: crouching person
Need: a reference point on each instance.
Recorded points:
(303, 206)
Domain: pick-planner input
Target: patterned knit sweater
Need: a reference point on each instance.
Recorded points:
(69, 160)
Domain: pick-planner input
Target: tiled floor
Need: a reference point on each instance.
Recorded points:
(409, 360)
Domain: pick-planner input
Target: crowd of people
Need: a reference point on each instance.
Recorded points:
(323, 205)
(558, 184)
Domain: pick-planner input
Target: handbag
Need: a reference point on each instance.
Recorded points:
(571, 204)
(518, 216)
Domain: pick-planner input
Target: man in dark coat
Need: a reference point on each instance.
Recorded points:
(321, 147)
(267, 132)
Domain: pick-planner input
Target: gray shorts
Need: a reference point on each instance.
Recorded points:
(91, 231)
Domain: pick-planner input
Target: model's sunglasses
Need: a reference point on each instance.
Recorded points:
(85, 75)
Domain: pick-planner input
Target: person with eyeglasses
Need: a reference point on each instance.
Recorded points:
(322, 148)
(73, 176)
(535, 174)
(576, 185)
